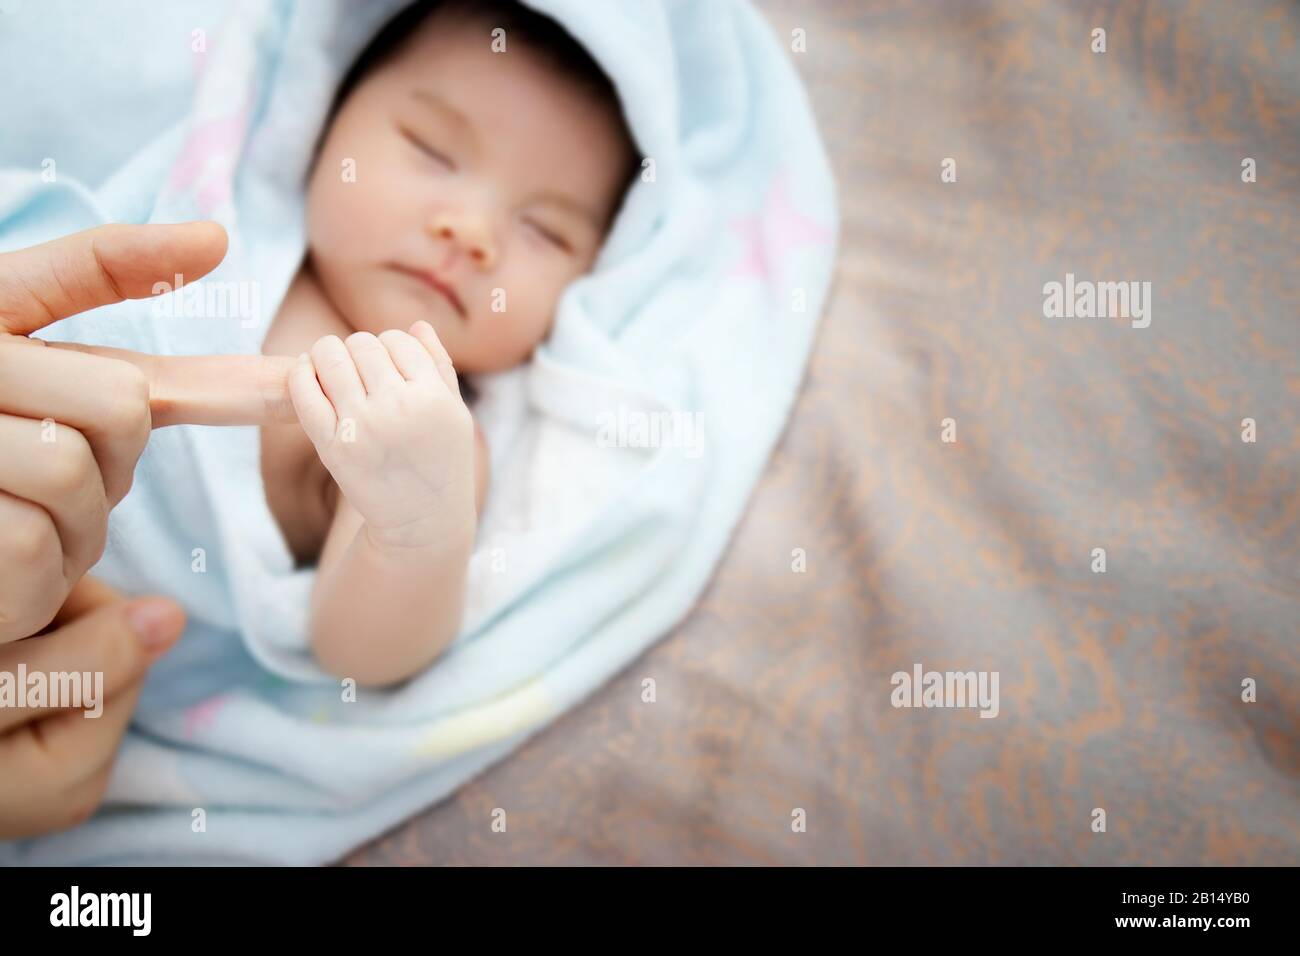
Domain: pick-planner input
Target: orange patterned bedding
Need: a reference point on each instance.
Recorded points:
(1161, 690)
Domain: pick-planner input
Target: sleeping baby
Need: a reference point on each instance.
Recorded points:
(465, 176)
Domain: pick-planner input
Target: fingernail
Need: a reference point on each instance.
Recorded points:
(304, 358)
(153, 622)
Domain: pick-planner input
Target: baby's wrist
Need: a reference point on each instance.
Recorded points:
(432, 538)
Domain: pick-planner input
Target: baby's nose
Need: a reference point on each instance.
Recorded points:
(468, 233)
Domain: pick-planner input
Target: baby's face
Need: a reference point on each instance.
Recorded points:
(475, 172)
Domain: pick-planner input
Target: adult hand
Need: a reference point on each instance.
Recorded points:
(98, 406)
(57, 762)
(74, 419)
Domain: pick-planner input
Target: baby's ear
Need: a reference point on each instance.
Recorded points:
(481, 462)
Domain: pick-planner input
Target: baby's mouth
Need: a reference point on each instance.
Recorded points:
(434, 283)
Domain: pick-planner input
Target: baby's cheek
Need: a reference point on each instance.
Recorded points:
(525, 331)
(353, 191)
(340, 216)
(327, 211)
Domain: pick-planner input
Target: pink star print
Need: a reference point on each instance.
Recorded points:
(208, 159)
(202, 714)
(779, 228)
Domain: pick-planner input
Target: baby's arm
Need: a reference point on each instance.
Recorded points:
(387, 419)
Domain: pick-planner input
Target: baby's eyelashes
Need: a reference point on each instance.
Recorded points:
(549, 235)
(428, 150)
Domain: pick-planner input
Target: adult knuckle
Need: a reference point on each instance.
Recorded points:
(127, 410)
(30, 537)
(98, 536)
(28, 617)
(71, 465)
(127, 484)
(131, 383)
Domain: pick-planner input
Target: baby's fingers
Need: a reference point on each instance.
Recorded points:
(337, 371)
(374, 363)
(423, 331)
(314, 410)
(411, 358)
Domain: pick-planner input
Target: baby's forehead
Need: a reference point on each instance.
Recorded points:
(463, 50)
(531, 97)
(459, 56)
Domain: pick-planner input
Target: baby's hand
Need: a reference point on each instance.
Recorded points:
(387, 420)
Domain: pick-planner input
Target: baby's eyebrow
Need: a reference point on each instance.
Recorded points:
(446, 109)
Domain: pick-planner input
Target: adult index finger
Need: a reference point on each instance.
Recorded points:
(209, 389)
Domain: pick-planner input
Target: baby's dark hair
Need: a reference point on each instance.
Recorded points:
(535, 31)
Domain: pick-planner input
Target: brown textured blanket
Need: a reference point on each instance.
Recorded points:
(1120, 690)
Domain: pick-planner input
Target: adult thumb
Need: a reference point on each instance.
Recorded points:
(156, 622)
